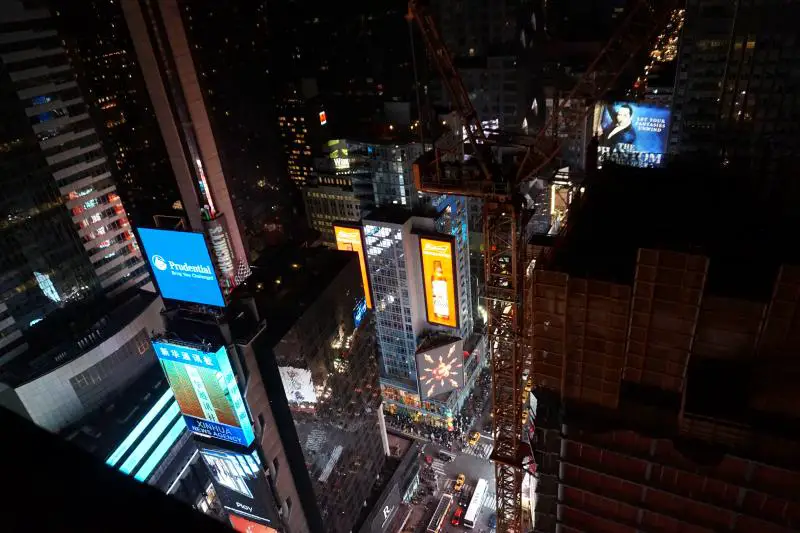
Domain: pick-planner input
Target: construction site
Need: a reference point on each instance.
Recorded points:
(641, 322)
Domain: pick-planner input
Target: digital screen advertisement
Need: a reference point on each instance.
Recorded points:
(441, 369)
(242, 525)
(359, 312)
(241, 484)
(298, 385)
(350, 239)
(207, 392)
(182, 266)
(439, 277)
(631, 134)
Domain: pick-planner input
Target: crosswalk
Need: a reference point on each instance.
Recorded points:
(438, 466)
(481, 449)
(490, 501)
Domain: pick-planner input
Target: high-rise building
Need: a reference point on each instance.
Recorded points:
(80, 357)
(352, 176)
(342, 189)
(482, 36)
(65, 233)
(298, 342)
(140, 432)
(101, 50)
(232, 54)
(405, 283)
(662, 388)
(165, 56)
(297, 123)
(735, 68)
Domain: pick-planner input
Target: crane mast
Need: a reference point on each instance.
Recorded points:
(505, 261)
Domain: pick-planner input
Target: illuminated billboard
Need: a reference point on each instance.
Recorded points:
(439, 280)
(440, 369)
(298, 384)
(182, 266)
(241, 485)
(207, 392)
(242, 525)
(359, 312)
(631, 134)
(350, 238)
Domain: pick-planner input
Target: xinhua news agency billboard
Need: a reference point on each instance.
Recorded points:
(350, 238)
(207, 392)
(182, 266)
(440, 369)
(242, 487)
(631, 134)
(439, 279)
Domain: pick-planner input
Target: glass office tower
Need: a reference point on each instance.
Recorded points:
(64, 231)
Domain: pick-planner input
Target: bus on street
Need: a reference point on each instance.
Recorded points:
(475, 503)
(441, 512)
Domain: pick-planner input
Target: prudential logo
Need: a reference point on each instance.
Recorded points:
(159, 262)
(184, 270)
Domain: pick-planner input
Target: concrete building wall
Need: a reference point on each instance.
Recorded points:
(61, 397)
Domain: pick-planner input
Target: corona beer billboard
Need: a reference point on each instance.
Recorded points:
(349, 238)
(439, 280)
(207, 392)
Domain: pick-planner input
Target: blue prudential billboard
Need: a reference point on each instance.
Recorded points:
(182, 266)
(207, 392)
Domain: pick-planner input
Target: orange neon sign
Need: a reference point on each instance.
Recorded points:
(349, 239)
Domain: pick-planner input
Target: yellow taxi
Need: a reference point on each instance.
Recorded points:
(459, 482)
(473, 440)
(524, 416)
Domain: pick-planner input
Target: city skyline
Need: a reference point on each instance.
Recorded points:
(413, 265)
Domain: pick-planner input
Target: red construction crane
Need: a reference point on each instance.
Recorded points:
(505, 251)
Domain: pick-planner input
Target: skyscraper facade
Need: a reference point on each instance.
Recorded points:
(165, 57)
(395, 264)
(733, 90)
(102, 52)
(65, 231)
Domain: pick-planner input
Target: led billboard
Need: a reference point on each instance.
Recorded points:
(298, 385)
(440, 369)
(439, 280)
(182, 266)
(207, 392)
(631, 134)
(359, 312)
(241, 484)
(350, 238)
(242, 525)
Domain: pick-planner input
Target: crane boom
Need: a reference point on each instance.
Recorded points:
(453, 84)
(505, 262)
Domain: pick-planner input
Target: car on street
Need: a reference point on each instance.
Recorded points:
(473, 440)
(459, 482)
(446, 456)
(456, 520)
(493, 520)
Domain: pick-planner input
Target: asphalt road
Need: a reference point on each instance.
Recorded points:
(473, 468)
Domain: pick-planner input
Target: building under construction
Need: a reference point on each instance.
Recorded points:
(664, 328)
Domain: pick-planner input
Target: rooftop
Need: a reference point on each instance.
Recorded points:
(72, 331)
(100, 432)
(689, 208)
(284, 284)
(393, 214)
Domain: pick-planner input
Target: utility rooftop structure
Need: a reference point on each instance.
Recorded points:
(662, 332)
